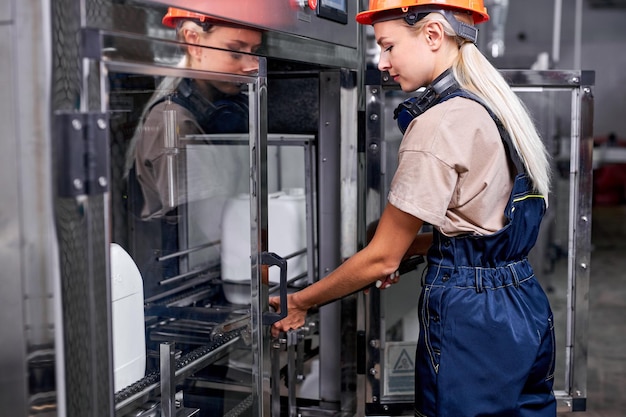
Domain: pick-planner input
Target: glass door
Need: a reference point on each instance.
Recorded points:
(188, 219)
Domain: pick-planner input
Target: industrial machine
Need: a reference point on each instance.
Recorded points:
(126, 311)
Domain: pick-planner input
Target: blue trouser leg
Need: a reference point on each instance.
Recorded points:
(486, 346)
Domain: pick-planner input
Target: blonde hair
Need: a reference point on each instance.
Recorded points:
(475, 74)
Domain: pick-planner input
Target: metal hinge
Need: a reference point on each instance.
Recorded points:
(82, 153)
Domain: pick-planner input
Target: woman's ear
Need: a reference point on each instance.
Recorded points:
(192, 37)
(434, 33)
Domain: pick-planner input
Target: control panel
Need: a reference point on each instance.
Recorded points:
(329, 21)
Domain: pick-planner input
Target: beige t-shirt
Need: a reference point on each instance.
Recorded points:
(151, 163)
(195, 172)
(453, 170)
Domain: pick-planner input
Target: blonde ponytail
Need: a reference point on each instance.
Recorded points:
(476, 74)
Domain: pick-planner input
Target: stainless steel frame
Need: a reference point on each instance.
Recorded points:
(580, 84)
(579, 162)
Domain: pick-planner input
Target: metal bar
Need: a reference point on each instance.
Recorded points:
(292, 342)
(182, 276)
(309, 187)
(582, 249)
(556, 32)
(181, 288)
(275, 376)
(329, 203)
(548, 79)
(151, 69)
(188, 251)
(578, 33)
(259, 305)
(561, 78)
(273, 139)
(168, 385)
(170, 139)
(294, 254)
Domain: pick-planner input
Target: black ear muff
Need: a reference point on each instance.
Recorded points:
(408, 110)
(405, 113)
(412, 107)
(230, 115)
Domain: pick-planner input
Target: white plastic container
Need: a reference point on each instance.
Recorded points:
(129, 344)
(287, 235)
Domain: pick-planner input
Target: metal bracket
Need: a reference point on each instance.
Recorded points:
(82, 153)
(91, 43)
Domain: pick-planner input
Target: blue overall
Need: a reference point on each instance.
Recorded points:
(486, 344)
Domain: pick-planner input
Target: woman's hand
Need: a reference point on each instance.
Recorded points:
(388, 281)
(296, 315)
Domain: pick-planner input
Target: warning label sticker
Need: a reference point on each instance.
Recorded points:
(399, 368)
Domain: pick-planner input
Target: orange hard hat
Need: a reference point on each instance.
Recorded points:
(174, 14)
(476, 7)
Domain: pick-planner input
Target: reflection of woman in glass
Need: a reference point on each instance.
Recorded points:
(200, 106)
(156, 162)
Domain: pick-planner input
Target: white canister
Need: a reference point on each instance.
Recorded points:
(286, 236)
(129, 340)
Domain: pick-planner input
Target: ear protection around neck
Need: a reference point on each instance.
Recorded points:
(408, 110)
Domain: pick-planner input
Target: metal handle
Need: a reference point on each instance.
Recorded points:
(271, 259)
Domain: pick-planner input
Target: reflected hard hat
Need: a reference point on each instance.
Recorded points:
(476, 7)
(173, 15)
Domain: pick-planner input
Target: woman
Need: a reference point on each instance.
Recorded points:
(472, 165)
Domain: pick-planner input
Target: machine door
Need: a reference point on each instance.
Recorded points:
(561, 103)
(179, 214)
(188, 244)
(186, 222)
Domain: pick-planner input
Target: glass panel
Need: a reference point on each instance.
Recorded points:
(181, 228)
(552, 111)
(169, 225)
(399, 302)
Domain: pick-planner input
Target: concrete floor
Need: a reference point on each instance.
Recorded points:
(606, 365)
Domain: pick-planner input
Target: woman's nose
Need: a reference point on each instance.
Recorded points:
(383, 63)
(250, 64)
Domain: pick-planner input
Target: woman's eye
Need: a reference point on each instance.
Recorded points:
(387, 49)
